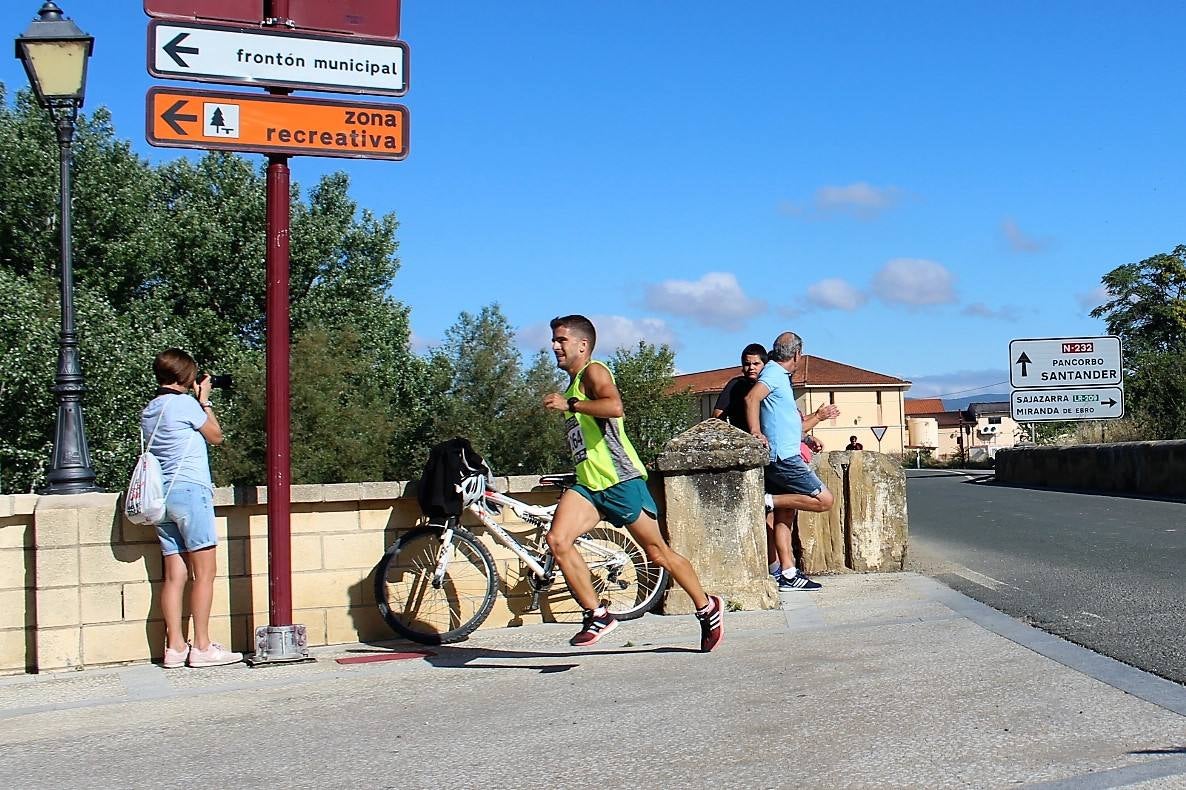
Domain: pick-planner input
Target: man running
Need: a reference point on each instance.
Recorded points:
(611, 485)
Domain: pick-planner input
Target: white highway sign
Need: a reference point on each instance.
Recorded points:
(1057, 405)
(283, 59)
(1065, 362)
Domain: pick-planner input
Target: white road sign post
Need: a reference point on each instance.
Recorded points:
(1065, 362)
(265, 58)
(1055, 379)
(1056, 405)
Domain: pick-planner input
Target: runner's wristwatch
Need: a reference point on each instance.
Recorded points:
(572, 405)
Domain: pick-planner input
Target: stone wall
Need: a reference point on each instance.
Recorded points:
(1149, 468)
(79, 585)
(714, 516)
(868, 528)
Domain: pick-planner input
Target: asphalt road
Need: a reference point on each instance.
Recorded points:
(1104, 572)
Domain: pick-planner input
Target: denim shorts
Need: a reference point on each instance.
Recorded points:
(621, 504)
(792, 476)
(189, 520)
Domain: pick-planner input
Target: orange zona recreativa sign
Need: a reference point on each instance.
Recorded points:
(179, 118)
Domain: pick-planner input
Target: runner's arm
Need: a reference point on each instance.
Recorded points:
(604, 400)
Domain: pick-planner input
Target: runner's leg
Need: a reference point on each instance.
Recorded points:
(575, 516)
(646, 532)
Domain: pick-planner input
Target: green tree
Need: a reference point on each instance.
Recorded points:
(174, 255)
(1147, 309)
(654, 413)
(341, 416)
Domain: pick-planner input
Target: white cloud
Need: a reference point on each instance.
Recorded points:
(861, 200)
(715, 300)
(1003, 313)
(613, 332)
(959, 384)
(1020, 241)
(835, 294)
(915, 282)
(1093, 298)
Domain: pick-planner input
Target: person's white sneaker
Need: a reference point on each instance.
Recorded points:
(214, 656)
(769, 499)
(175, 658)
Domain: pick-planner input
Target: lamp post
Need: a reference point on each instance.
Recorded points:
(54, 52)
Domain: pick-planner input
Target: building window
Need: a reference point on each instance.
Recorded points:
(994, 420)
(832, 398)
(878, 397)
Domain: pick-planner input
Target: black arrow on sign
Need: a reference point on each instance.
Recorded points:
(174, 50)
(1108, 402)
(171, 116)
(1023, 360)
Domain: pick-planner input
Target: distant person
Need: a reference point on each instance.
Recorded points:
(853, 444)
(180, 422)
(611, 485)
(774, 419)
(731, 402)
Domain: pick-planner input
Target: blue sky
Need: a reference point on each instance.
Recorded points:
(908, 186)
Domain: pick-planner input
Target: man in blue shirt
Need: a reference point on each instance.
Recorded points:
(774, 420)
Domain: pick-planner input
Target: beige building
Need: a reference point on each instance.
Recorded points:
(867, 400)
(980, 430)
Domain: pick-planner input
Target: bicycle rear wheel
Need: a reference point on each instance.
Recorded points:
(622, 574)
(435, 614)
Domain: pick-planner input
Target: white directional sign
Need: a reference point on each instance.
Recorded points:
(1065, 362)
(1057, 405)
(267, 58)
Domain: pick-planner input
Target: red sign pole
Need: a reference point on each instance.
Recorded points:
(279, 459)
(280, 641)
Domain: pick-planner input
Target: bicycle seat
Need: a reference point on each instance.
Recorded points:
(562, 481)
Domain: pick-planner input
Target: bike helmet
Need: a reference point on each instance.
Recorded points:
(473, 490)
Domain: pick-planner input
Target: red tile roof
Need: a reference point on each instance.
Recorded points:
(811, 371)
(917, 406)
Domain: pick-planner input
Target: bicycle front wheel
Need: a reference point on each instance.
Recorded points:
(434, 611)
(623, 576)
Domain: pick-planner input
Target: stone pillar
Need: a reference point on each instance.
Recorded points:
(876, 519)
(867, 529)
(713, 485)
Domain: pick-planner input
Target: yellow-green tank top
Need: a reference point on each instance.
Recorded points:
(600, 448)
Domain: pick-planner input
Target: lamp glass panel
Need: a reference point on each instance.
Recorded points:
(57, 66)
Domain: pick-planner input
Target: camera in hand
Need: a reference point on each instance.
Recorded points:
(223, 382)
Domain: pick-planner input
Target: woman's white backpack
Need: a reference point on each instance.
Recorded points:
(144, 502)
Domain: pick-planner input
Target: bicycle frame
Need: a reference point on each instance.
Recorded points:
(539, 515)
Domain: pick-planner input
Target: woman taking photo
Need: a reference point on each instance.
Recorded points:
(179, 427)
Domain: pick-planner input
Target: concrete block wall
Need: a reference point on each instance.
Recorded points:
(17, 602)
(1139, 468)
(80, 586)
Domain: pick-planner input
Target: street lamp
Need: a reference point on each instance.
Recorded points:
(54, 53)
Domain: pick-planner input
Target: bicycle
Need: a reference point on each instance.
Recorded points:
(437, 583)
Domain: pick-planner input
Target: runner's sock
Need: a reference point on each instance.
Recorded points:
(790, 573)
(599, 611)
(704, 609)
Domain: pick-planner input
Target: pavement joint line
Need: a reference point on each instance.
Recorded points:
(1118, 777)
(145, 682)
(806, 612)
(1143, 685)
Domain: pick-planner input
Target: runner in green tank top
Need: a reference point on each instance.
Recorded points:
(611, 485)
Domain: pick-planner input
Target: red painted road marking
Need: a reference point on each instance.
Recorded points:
(383, 657)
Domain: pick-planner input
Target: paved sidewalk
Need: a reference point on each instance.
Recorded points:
(875, 681)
